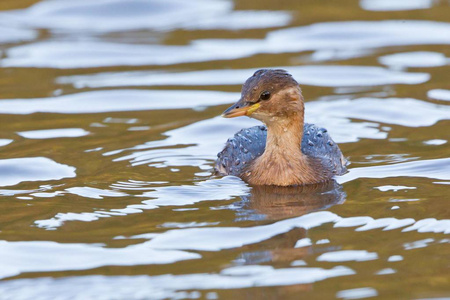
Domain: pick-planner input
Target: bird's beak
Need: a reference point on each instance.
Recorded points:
(240, 109)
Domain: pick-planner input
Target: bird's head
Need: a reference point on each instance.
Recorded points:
(268, 95)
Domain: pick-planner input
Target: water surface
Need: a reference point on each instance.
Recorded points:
(109, 117)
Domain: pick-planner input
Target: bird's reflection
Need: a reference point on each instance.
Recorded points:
(276, 202)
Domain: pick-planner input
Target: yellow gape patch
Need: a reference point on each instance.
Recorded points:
(252, 109)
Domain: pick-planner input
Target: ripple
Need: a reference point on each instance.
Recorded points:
(347, 255)
(233, 237)
(305, 242)
(418, 59)
(330, 76)
(165, 286)
(395, 258)
(110, 101)
(394, 188)
(430, 225)
(87, 54)
(53, 133)
(119, 15)
(436, 142)
(417, 244)
(44, 256)
(94, 193)
(431, 168)
(439, 94)
(15, 35)
(4, 142)
(386, 224)
(394, 5)
(202, 140)
(187, 224)
(386, 271)
(16, 170)
(207, 136)
(210, 190)
(388, 110)
(359, 35)
(359, 293)
(336, 36)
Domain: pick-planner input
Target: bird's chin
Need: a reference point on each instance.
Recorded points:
(260, 117)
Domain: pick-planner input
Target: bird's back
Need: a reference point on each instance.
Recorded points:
(248, 144)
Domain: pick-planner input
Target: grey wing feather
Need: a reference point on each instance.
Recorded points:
(248, 144)
(317, 143)
(240, 150)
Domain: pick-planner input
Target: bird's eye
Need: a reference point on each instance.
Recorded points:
(264, 95)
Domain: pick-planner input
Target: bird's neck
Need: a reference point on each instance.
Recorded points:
(285, 129)
(284, 137)
(283, 162)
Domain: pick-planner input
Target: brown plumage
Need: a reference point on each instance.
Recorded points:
(286, 158)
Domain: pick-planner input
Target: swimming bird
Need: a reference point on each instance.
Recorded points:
(286, 151)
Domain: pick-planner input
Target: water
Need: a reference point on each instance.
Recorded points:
(109, 118)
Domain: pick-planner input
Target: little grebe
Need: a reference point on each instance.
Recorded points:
(287, 152)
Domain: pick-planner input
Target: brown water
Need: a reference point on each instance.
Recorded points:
(109, 129)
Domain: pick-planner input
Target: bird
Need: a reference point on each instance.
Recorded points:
(284, 151)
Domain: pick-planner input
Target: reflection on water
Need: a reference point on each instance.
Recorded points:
(111, 101)
(109, 131)
(328, 76)
(117, 15)
(274, 203)
(335, 37)
(386, 5)
(16, 170)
